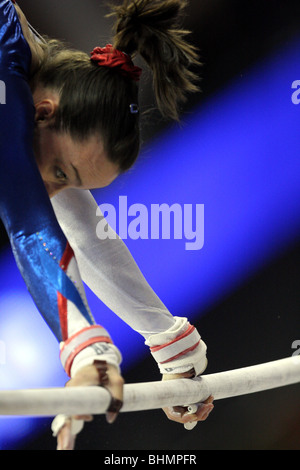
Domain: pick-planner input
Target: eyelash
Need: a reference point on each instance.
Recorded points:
(60, 175)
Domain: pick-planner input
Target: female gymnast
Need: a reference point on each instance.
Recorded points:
(71, 124)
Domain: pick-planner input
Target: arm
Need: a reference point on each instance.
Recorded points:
(110, 271)
(44, 257)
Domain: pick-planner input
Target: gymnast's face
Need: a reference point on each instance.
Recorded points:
(63, 162)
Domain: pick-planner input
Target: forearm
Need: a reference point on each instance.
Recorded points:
(110, 271)
(107, 266)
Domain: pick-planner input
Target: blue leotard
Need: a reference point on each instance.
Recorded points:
(43, 254)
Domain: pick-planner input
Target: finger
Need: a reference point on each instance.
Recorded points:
(86, 418)
(113, 410)
(201, 414)
(201, 410)
(175, 414)
(65, 438)
(115, 387)
(181, 414)
(209, 400)
(204, 411)
(109, 377)
(102, 371)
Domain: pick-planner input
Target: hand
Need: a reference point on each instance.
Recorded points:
(99, 373)
(180, 414)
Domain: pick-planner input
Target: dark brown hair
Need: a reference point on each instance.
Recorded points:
(97, 99)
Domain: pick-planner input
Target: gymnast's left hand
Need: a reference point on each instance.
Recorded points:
(180, 414)
(99, 373)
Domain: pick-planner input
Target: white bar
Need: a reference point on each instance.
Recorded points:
(151, 395)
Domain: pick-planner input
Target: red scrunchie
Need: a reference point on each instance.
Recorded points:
(110, 57)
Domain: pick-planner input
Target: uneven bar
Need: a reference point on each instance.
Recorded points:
(151, 395)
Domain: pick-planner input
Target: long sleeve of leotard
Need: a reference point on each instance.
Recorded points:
(42, 252)
(110, 271)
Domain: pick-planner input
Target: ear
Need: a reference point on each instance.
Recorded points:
(45, 111)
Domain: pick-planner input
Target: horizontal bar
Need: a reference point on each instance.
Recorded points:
(151, 395)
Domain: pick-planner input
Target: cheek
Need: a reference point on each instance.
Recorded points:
(43, 165)
(44, 154)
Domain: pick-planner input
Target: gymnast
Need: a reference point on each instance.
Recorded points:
(71, 123)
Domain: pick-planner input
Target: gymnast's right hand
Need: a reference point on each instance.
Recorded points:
(99, 373)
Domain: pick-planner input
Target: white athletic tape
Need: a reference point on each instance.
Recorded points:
(59, 422)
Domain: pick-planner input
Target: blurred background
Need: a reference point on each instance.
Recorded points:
(237, 152)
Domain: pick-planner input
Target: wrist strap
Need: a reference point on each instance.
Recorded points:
(179, 349)
(186, 342)
(79, 341)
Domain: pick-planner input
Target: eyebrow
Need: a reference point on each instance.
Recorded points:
(79, 181)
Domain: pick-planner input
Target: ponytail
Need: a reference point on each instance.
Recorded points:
(151, 28)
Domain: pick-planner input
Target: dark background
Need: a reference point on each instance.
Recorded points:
(232, 36)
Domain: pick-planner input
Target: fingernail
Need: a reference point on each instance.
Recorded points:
(111, 417)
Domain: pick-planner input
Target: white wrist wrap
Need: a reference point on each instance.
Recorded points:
(84, 346)
(98, 351)
(179, 349)
(81, 350)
